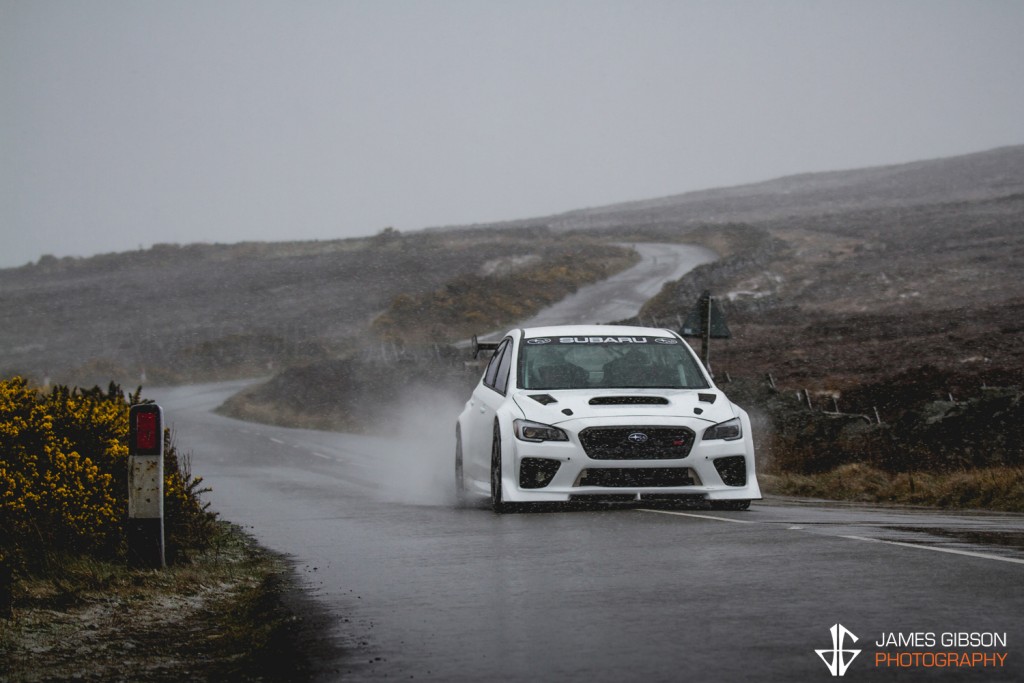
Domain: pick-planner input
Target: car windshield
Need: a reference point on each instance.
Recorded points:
(608, 362)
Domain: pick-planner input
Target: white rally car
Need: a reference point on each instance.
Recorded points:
(601, 413)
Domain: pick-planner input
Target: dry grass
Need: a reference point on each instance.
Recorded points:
(996, 488)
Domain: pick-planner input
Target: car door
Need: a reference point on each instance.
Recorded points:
(485, 402)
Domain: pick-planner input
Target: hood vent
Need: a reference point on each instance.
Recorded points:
(628, 401)
(543, 399)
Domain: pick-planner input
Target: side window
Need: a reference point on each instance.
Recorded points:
(496, 376)
(501, 381)
(492, 366)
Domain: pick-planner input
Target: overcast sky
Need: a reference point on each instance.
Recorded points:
(124, 124)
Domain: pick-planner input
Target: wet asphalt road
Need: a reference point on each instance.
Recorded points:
(621, 296)
(423, 590)
(420, 589)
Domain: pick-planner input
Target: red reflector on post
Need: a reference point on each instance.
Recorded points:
(145, 431)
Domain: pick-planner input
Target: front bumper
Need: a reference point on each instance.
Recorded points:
(561, 471)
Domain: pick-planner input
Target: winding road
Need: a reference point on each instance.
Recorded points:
(420, 589)
(622, 295)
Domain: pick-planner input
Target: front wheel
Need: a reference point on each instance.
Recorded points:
(460, 480)
(497, 504)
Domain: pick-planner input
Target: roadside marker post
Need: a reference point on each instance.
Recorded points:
(707, 322)
(145, 530)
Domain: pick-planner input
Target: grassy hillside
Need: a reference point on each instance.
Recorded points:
(202, 312)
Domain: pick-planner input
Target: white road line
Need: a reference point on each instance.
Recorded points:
(968, 553)
(277, 440)
(321, 455)
(690, 514)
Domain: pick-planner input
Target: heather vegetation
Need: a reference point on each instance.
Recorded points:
(175, 314)
(894, 442)
(484, 301)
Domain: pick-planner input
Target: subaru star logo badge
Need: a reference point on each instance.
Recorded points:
(637, 437)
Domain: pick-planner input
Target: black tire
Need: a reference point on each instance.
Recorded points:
(736, 505)
(497, 504)
(460, 480)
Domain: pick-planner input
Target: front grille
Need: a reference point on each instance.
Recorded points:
(635, 477)
(637, 443)
(732, 470)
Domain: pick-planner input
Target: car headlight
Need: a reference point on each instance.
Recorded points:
(534, 431)
(730, 430)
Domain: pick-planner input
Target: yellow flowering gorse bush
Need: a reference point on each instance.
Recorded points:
(58, 457)
(63, 474)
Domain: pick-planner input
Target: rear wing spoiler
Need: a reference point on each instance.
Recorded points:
(479, 346)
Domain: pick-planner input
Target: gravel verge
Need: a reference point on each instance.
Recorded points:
(234, 612)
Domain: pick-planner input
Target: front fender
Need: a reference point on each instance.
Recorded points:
(509, 476)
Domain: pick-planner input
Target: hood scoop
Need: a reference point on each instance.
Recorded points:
(629, 401)
(543, 399)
